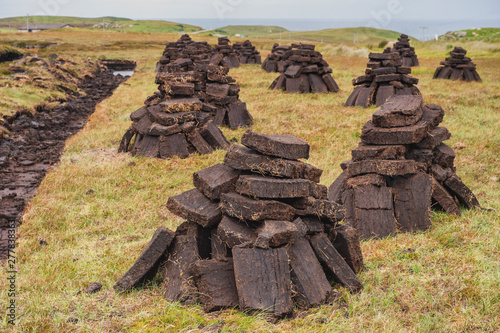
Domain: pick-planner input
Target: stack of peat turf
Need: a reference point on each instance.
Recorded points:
(225, 55)
(173, 122)
(185, 48)
(217, 91)
(406, 52)
(259, 234)
(385, 77)
(247, 53)
(457, 67)
(304, 71)
(274, 62)
(399, 171)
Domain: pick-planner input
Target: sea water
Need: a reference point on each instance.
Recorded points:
(424, 29)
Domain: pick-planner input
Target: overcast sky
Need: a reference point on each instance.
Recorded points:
(346, 9)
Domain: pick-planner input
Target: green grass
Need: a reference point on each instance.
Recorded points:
(479, 34)
(116, 24)
(248, 30)
(6, 49)
(154, 27)
(450, 283)
(342, 35)
(78, 21)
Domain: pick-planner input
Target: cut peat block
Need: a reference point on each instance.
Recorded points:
(434, 138)
(464, 195)
(382, 167)
(248, 209)
(284, 146)
(309, 282)
(213, 135)
(215, 180)
(194, 206)
(347, 245)
(274, 233)
(378, 152)
(335, 190)
(216, 285)
(399, 111)
(147, 264)
(394, 136)
(334, 264)
(322, 209)
(369, 208)
(177, 282)
(263, 280)
(173, 145)
(444, 199)
(312, 224)
(238, 116)
(412, 202)
(243, 158)
(265, 187)
(233, 232)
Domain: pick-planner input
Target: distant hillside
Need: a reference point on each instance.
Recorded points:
(76, 21)
(248, 30)
(477, 33)
(109, 22)
(342, 35)
(153, 27)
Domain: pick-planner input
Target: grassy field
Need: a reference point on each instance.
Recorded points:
(248, 30)
(341, 35)
(443, 280)
(19, 21)
(480, 33)
(111, 23)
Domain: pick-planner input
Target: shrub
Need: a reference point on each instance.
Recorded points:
(383, 44)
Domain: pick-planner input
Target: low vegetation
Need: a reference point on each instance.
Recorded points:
(491, 34)
(248, 30)
(19, 21)
(97, 209)
(108, 23)
(341, 35)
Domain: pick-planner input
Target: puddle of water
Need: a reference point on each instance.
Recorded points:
(123, 73)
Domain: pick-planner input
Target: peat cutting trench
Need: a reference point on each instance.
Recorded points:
(36, 142)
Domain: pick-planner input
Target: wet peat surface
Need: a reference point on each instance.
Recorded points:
(36, 143)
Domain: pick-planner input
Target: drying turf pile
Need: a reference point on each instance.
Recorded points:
(274, 62)
(400, 170)
(457, 67)
(247, 53)
(304, 71)
(228, 56)
(218, 92)
(259, 234)
(406, 52)
(385, 77)
(184, 48)
(173, 121)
